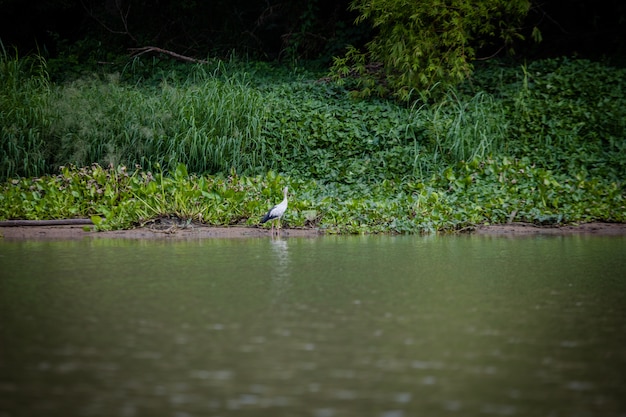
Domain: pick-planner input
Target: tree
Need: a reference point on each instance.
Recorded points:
(426, 45)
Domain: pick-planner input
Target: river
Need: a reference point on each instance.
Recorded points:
(385, 326)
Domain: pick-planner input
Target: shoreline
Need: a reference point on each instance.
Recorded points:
(57, 231)
(68, 232)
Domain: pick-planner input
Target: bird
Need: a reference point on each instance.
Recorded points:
(277, 211)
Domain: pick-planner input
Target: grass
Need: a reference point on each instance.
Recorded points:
(24, 97)
(215, 143)
(469, 128)
(211, 124)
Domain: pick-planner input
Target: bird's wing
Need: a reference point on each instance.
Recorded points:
(269, 215)
(275, 211)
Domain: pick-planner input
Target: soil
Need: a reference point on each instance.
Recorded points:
(174, 231)
(171, 233)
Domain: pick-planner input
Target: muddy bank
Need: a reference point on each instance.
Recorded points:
(190, 232)
(77, 231)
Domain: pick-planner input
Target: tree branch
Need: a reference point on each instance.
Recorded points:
(147, 49)
(123, 17)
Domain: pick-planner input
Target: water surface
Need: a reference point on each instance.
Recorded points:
(332, 326)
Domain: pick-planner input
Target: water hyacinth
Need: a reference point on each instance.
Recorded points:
(475, 193)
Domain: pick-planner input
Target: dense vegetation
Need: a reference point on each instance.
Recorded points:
(215, 143)
(428, 46)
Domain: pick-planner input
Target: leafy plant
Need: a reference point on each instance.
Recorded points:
(426, 44)
(217, 143)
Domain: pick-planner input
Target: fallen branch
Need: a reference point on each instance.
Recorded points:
(147, 49)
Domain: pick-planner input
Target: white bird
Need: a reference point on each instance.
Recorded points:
(277, 211)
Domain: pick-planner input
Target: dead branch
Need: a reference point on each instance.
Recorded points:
(153, 49)
(123, 17)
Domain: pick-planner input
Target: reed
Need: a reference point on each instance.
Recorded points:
(466, 129)
(24, 95)
(209, 123)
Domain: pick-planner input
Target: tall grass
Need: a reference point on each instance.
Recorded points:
(218, 120)
(209, 123)
(467, 129)
(24, 96)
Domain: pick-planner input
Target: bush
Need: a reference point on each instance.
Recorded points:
(427, 46)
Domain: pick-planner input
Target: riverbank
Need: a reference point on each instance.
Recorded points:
(51, 232)
(518, 144)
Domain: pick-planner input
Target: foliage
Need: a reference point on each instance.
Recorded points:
(208, 123)
(465, 129)
(24, 97)
(216, 144)
(478, 192)
(87, 31)
(502, 190)
(115, 197)
(571, 112)
(319, 136)
(428, 44)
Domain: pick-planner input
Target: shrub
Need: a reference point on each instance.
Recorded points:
(427, 46)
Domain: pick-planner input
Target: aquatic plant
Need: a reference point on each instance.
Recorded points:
(478, 192)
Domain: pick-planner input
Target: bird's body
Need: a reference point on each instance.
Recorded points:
(277, 211)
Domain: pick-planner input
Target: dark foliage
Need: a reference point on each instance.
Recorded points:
(584, 28)
(301, 29)
(266, 30)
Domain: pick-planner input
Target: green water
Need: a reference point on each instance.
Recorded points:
(324, 327)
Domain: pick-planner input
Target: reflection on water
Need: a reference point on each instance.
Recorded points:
(332, 326)
(280, 275)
